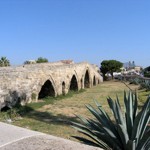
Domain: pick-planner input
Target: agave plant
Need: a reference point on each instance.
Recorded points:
(128, 130)
(145, 84)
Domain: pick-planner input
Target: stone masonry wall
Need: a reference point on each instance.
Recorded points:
(23, 83)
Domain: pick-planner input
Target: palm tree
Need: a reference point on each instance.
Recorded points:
(4, 62)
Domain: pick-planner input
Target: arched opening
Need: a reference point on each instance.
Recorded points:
(5, 108)
(47, 90)
(94, 81)
(73, 84)
(81, 84)
(87, 80)
(98, 82)
(63, 88)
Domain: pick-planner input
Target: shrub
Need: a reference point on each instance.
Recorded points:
(145, 85)
(33, 96)
(147, 75)
(135, 81)
(128, 131)
(42, 60)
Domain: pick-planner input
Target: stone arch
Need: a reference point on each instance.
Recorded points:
(73, 83)
(46, 90)
(5, 108)
(87, 79)
(94, 81)
(63, 88)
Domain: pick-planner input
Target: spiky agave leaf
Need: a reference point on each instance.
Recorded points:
(103, 118)
(144, 143)
(130, 110)
(108, 127)
(101, 128)
(105, 134)
(98, 135)
(130, 131)
(116, 110)
(141, 122)
(123, 135)
(86, 129)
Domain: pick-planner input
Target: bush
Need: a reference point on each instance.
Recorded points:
(135, 81)
(147, 75)
(42, 60)
(33, 96)
(128, 131)
(145, 85)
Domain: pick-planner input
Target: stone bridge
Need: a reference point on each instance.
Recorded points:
(35, 81)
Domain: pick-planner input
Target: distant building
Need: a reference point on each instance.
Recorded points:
(129, 65)
(138, 69)
(131, 68)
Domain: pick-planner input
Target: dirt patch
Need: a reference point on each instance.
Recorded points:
(61, 109)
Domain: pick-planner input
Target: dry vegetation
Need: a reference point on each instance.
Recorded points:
(54, 118)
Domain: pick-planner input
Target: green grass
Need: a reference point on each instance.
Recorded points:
(54, 115)
(46, 101)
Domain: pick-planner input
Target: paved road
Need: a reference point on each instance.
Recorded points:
(16, 138)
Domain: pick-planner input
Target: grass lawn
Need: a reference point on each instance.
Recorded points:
(53, 115)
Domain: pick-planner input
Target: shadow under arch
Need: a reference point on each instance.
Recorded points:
(81, 83)
(73, 84)
(5, 109)
(87, 79)
(46, 90)
(94, 81)
(63, 88)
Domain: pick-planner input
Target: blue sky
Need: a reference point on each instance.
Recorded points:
(82, 30)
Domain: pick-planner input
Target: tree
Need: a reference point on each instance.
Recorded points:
(42, 60)
(110, 66)
(114, 66)
(146, 71)
(4, 62)
(104, 68)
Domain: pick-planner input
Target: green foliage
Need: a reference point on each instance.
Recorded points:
(146, 72)
(147, 68)
(19, 110)
(10, 115)
(144, 83)
(104, 68)
(4, 62)
(33, 96)
(128, 130)
(135, 81)
(110, 66)
(42, 60)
